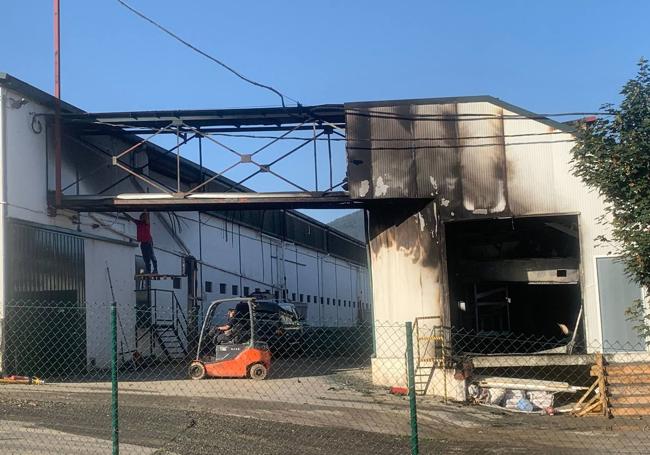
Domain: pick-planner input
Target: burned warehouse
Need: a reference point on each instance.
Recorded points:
(473, 219)
(474, 210)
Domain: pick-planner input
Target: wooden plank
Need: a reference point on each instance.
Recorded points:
(629, 399)
(578, 405)
(593, 407)
(631, 368)
(602, 385)
(619, 412)
(629, 379)
(629, 389)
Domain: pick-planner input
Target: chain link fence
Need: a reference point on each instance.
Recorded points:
(371, 388)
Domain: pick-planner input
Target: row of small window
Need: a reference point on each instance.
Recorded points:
(328, 301)
(223, 289)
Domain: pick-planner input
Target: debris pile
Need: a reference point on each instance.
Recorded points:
(520, 395)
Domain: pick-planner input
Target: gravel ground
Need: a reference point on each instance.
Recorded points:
(308, 415)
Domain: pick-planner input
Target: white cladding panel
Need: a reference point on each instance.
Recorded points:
(119, 259)
(231, 256)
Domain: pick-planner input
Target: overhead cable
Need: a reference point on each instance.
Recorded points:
(445, 146)
(392, 139)
(206, 55)
(465, 117)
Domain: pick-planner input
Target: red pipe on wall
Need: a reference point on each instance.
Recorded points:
(57, 94)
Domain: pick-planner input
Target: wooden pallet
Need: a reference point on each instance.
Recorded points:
(619, 390)
(628, 388)
(594, 400)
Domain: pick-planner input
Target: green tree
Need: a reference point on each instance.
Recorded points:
(612, 155)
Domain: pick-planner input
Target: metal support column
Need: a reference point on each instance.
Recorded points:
(191, 272)
(115, 431)
(415, 450)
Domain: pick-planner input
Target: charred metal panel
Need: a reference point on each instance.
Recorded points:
(438, 160)
(482, 159)
(451, 152)
(406, 248)
(382, 156)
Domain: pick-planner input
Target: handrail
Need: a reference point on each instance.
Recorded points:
(183, 318)
(178, 319)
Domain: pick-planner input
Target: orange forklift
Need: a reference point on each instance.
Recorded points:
(235, 359)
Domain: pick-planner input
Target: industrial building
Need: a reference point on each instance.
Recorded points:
(58, 259)
(477, 213)
(474, 220)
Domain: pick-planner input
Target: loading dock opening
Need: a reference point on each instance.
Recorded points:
(516, 276)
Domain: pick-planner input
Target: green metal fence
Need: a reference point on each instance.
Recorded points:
(421, 388)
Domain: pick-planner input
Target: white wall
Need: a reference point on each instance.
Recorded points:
(120, 260)
(265, 264)
(229, 254)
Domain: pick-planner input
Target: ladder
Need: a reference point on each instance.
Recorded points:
(432, 343)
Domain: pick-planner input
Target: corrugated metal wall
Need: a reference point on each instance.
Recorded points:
(44, 261)
(45, 309)
(463, 154)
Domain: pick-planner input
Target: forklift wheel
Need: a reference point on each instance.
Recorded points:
(197, 370)
(257, 372)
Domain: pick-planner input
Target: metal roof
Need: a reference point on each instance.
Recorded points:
(465, 99)
(208, 120)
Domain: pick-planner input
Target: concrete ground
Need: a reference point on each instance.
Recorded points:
(337, 411)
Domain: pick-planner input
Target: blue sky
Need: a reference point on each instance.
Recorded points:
(550, 56)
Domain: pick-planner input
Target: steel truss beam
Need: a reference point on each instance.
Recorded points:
(322, 121)
(211, 201)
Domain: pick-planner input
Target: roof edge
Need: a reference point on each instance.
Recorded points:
(38, 95)
(465, 99)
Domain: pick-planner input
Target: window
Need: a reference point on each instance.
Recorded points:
(354, 304)
(247, 290)
(235, 289)
(177, 283)
(293, 296)
(302, 298)
(308, 298)
(222, 288)
(328, 300)
(315, 299)
(339, 302)
(208, 286)
(345, 303)
(322, 300)
(276, 294)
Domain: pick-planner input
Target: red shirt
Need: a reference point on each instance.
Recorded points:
(144, 231)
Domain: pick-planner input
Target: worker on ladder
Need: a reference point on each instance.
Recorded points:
(146, 242)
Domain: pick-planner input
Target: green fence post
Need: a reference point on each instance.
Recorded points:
(114, 414)
(415, 449)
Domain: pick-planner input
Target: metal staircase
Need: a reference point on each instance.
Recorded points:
(167, 330)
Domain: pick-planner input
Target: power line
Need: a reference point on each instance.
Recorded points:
(405, 139)
(469, 116)
(206, 55)
(445, 146)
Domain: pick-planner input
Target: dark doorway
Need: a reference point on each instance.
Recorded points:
(515, 276)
